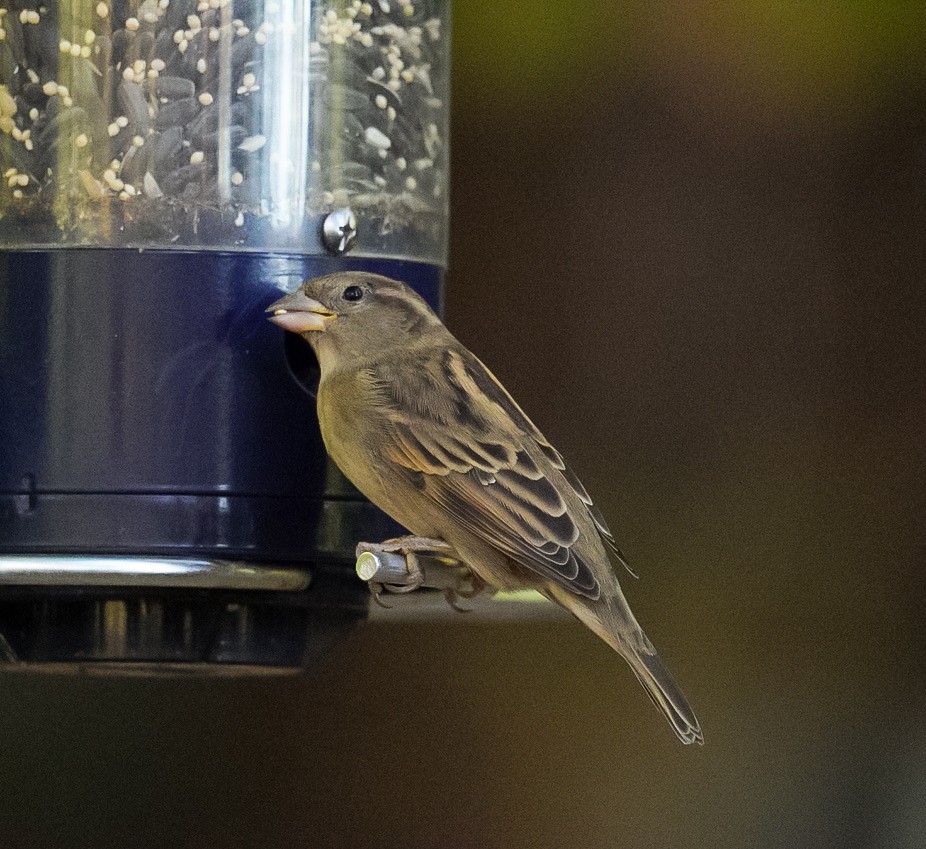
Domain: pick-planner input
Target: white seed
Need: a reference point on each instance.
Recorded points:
(89, 37)
(130, 189)
(197, 157)
(201, 66)
(128, 74)
(205, 98)
(182, 46)
(50, 88)
(252, 143)
(8, 173)
(158, 65)
(64, 45)
(132, 24)
(377, 138)
(18, 194)
(122, 121)
(81, 140)
(7, 104)
(381, 101)
(248, 80)
(378, 72)
(214, 34)
(316, 166)
(85, 51)
(411, 183)
(239, 219)
(390, 113)
(102, 10)
(34, 114)
(113, 129)
(150, 18)
(237, 178)
(22, 179)
(401, 164)
(138, 141)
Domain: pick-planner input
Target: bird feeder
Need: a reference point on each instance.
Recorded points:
(169, 168)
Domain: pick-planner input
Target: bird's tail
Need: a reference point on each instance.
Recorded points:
(660, 686)
(624, 635)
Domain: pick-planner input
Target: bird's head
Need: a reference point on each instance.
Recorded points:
(352, 314)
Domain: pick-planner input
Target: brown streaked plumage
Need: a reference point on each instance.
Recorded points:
(429, 435)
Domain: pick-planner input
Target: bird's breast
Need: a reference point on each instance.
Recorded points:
(353, 427)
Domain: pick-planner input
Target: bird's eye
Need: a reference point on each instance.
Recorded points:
(352, 293)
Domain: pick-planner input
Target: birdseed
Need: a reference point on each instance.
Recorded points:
(223, 123)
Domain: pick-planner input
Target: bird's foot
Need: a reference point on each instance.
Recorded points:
(468, 585)
(406, 544)
(390, 573)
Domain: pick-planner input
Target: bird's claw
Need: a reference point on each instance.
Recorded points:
(407, 547)
(451, 596)
(376, 590)
(469, 586)
(456, 581)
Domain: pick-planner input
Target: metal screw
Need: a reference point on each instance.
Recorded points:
(339, 231)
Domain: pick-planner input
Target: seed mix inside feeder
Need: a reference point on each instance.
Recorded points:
(223, 123)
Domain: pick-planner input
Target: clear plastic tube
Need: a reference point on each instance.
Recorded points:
(224, 124)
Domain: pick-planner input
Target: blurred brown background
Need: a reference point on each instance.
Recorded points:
(689, 239)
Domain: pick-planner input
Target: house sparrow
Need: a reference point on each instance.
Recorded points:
(427, 433)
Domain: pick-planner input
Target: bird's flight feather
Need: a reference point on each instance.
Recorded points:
(479, 457)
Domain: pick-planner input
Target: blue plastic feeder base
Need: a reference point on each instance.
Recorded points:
(148, 408)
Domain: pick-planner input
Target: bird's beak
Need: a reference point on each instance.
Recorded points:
(299, 313)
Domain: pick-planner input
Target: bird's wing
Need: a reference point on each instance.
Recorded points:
(464, 442)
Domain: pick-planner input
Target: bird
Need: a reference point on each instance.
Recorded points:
(425, 431)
